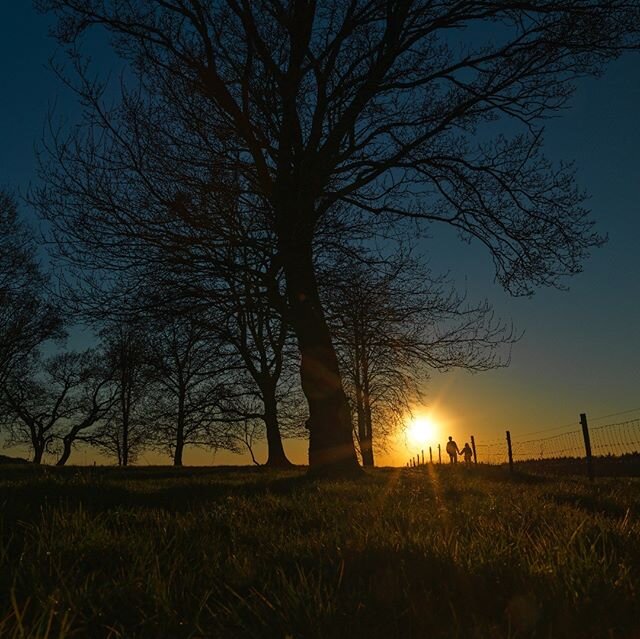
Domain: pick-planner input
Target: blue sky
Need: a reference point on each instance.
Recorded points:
(581, 348)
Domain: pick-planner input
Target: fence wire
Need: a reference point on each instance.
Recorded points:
(569, 444)
(610, 440)
(494, 452)
(619, 439)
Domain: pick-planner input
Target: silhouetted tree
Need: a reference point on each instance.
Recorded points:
(192, 382)
(56, 402)
(381, 105)
(393, 322)
(125, 432)
(27, 317)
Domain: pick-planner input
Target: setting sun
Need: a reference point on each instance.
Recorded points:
(422, 429)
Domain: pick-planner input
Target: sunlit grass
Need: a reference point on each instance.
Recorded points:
(444, 552)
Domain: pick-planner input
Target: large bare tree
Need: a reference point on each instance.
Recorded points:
(393, 107)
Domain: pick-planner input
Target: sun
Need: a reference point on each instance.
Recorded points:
(421, 429)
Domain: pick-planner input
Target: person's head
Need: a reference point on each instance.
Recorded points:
(466, 444)
(450, 438)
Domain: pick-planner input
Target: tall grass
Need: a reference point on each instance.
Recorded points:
(446, 552)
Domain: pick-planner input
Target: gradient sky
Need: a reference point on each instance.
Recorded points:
(581, 348)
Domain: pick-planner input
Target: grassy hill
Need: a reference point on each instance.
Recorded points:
(434, 552)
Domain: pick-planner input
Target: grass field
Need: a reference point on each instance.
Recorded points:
(446, 552)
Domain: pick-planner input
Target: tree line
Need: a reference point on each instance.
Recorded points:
(164, 376)
(262, 171)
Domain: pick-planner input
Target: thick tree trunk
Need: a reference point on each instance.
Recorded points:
(366, 443)
(37, 455)
(331, 448)
(66, 452)
(177, 454)
(276, 457)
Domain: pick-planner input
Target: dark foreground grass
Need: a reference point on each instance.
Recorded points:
(247, 553)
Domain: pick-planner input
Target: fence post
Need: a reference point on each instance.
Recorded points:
(422, 457)
(430, 455)
(473, 447)
(587, 444)
(510, 452)
(439, 455)
(417, 461)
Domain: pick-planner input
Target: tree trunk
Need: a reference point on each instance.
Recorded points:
(177, 455)
(331, 448)
(66, 452)
(37, 455)
(362, 424)
(276, 457)
(366, 445)
(125, 444)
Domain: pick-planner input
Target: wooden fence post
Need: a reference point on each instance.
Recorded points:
(473, 447)
(587, 444)
(510, 452)
(422, 457)
(439, 455)
(430, 455)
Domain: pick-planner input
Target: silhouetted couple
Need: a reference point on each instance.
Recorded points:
(453, 451)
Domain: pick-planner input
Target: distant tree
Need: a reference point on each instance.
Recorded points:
(389, 107)
(192, 384)
(125, 431)
(51, 404)
(27, 317)
(261, 336)
(393, 322)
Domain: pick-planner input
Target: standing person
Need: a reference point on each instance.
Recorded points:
(452, 450)
(466, 452)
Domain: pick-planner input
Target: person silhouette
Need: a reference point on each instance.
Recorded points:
(466, 452)
(452, 450)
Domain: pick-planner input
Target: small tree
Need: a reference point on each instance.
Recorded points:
(56, 402)
(193, 380)
(125, 432)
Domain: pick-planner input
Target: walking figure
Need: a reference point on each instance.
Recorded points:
(452, 450)
(466, 452)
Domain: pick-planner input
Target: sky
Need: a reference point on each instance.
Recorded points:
(580, 352)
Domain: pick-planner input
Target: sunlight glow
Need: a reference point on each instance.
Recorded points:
(422, 429)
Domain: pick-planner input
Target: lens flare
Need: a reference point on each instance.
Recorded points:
(422, 429)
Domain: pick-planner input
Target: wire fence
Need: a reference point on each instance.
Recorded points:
(604, 444)
(622, 438)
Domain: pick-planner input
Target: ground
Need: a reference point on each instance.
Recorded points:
(430, 552)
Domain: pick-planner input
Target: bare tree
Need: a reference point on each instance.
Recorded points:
(125, 432)
(58, 401)
(393, 322)
(193, 377)
(27, 318)
(377, 104)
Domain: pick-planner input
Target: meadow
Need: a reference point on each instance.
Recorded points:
(223, 552)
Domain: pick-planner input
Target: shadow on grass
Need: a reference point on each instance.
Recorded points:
(592, 503)
(178, 491)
